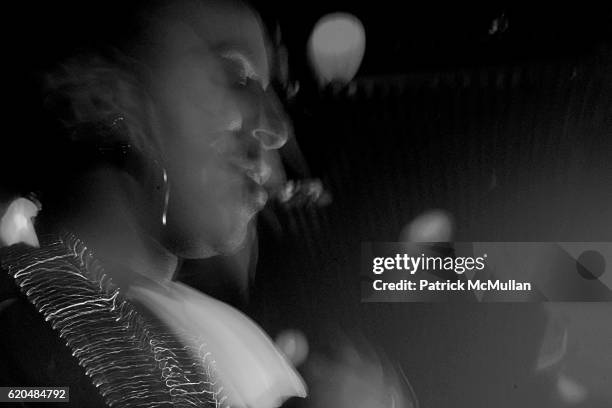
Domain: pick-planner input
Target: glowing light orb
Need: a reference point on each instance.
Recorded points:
(570, 391)
(430, 226)
(16, 224)
(294, 345)
(336, 47)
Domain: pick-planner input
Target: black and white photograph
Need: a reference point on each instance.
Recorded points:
(323, 204)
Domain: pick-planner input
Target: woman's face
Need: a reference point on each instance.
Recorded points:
(220, 126)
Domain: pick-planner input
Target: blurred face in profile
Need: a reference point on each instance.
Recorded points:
(220, 123)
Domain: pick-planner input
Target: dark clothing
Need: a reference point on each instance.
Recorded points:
(109, 350)
(32, 353)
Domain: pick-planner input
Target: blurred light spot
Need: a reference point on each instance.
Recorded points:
(336, 47)
(570, 391)
(293, 89)
(287, 191)
(499, 25)
(16, 224)
(430, 226)
(554, 345)
(294, 345)
(357, 379)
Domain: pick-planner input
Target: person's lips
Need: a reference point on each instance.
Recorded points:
(260, 174)
(255, 175)
(257, 192)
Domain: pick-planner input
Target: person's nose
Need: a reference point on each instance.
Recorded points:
(273, 127)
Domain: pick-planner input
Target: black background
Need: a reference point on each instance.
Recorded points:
(440, 107)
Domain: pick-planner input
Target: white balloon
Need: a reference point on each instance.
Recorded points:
(336, 47)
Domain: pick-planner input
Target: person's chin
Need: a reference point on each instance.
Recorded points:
(235, 240)
(238, 231)
(224, 243)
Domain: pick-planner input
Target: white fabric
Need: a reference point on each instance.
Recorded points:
(248, 364)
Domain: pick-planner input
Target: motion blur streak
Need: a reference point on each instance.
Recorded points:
(357, 378)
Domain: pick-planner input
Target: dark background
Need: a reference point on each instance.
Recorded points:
(510, 133)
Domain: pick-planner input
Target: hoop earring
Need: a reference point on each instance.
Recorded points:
(166, 196)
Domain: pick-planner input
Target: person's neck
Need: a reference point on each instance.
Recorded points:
(112, 230)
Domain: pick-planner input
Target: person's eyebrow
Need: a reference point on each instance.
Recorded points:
(245, 63)
(233, 53)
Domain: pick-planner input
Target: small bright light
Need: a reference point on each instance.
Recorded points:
(430, 226)
(336, 47)
(294, 345)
